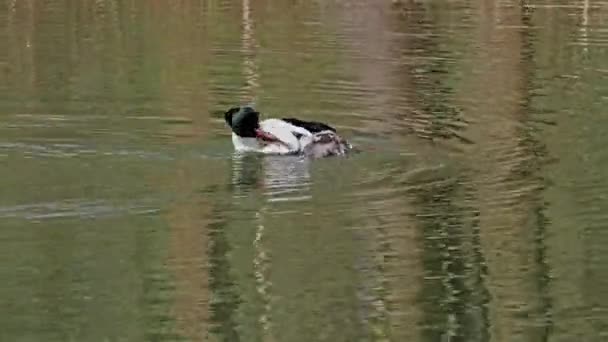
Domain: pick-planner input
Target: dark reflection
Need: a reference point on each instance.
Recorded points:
(530, 169)
(225, 297)
(229, 278)
(454, 295)
(433, 114)
(232, 235)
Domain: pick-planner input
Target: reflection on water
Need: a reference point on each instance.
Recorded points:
(476, 211)
(278, 176)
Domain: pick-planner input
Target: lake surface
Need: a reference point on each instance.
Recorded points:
(477, 211)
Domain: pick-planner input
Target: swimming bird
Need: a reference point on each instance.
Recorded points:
(283, 136)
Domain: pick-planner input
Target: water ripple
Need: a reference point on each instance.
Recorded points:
(76, 208)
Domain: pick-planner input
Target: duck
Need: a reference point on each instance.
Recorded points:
(283, 136)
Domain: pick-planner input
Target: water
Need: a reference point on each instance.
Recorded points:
(476, 212)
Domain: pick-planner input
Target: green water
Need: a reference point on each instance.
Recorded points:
(477, 211)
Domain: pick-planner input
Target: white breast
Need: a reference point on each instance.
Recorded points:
(245, 144)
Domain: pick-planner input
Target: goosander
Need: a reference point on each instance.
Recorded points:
(283, 136)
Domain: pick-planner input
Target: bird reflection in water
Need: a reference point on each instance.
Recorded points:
(277, 179)
(280, 178)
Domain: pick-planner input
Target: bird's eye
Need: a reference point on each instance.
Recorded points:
(297, 135)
